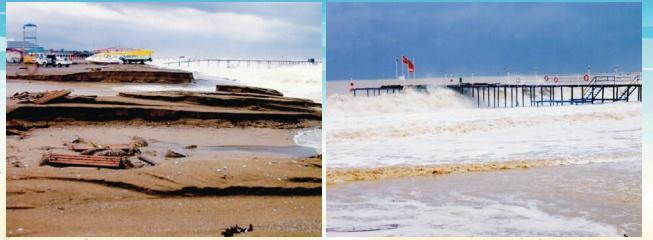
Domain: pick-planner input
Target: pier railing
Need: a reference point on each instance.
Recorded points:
(527, 95)
(215, 62)
(511, 95)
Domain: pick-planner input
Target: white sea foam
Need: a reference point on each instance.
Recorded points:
(489, 218)
(411, 101)
(302, 81)
(494, 204)
(601, 141)
(309, 138)
(443, 127)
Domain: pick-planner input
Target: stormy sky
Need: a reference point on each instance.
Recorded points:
(241, 30)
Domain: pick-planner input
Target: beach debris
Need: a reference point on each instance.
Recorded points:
(49, 96)
(173, 154)
(112, 152)
(88, 146)
(78, 140)
(191, 147)
(138, 142)
(91, 151)
(64, 160)
(231, 231)
(126, 163)
(25, 96)
(146, 159)
(17, 164)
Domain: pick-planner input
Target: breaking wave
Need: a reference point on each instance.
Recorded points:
(311, 138)
(368, 134)
(302, 81)
(409, 101)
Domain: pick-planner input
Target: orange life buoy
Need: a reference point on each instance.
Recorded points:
(546, 78)
(586, 77)
(556, 79)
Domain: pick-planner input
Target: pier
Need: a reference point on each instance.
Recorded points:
(518, 95)
(600, 89)
(214, 62)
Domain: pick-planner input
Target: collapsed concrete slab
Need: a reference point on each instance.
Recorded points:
(100, 73)
(201, 108)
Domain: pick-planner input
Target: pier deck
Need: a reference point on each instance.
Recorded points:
(215, 62)
(527, 95)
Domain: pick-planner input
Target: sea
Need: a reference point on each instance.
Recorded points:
(589, 186)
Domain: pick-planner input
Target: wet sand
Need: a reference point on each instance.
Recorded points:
(597, 199)
(199, 195)
(241, 163)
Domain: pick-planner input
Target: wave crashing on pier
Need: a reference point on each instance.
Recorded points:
(416, 130)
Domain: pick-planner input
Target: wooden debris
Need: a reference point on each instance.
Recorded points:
(51, 95)
(90, 147)
(146, 159)
(88, 161)
(138, 142)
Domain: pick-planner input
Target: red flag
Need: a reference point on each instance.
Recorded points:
(411, 67)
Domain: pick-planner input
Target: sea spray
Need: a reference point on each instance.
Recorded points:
(302, 81)
(436, 98)
(443, 127)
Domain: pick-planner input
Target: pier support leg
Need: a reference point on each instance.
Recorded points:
(603, 94)
(541, 95)
(505, 97)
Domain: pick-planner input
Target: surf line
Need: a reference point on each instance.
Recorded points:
(342, 175)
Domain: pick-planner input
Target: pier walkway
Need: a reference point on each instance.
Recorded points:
(600, 89)
(215, 62)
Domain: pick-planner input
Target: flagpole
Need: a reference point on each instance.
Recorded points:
(402, 67)
(396, 67)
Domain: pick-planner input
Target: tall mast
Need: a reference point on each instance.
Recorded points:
(396, 67)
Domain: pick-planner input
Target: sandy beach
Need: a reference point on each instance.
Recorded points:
(246, 156)
(163, 120)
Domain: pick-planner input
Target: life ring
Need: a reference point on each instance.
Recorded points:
(586, 77)
(546, 78)
(556, 79)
